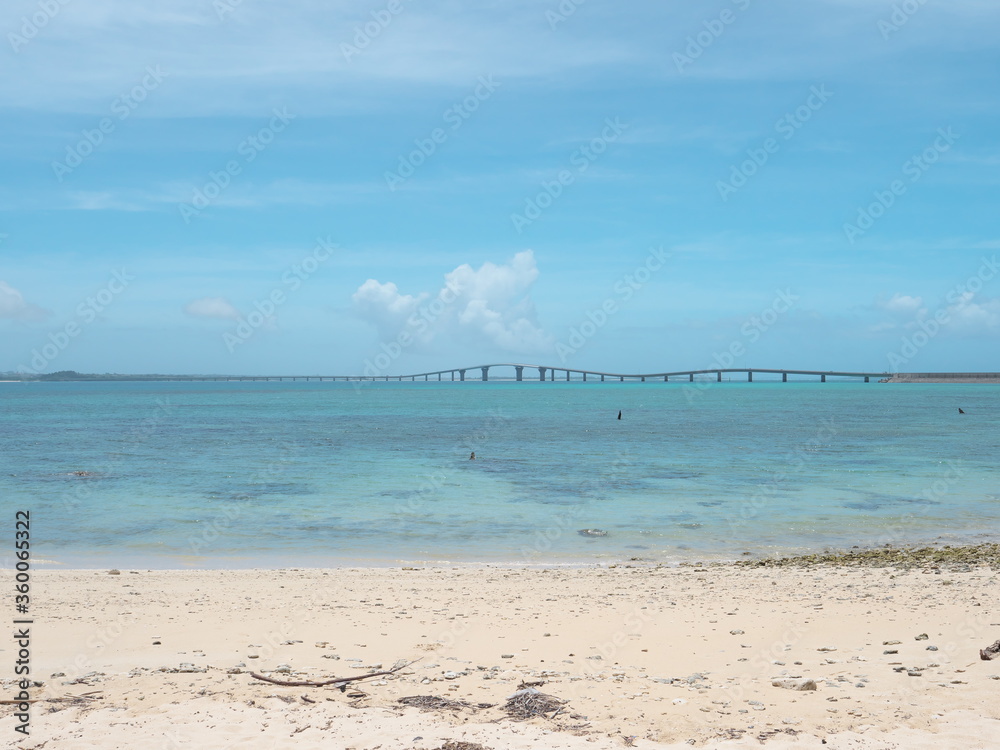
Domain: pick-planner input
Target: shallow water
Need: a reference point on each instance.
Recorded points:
(308, 473)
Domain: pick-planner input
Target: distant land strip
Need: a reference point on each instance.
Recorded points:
(540, 373)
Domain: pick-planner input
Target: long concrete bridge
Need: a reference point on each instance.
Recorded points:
(550, 372)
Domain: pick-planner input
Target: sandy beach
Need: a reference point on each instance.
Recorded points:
(640, 656)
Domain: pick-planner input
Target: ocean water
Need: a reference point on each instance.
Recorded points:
(264, 474)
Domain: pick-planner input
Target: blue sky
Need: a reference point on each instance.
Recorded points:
(302, 187)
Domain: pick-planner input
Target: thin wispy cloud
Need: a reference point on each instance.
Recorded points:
(212, 307)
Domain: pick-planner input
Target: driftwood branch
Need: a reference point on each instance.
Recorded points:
(331, 681)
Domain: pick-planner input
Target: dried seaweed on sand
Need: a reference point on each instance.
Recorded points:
(528, 703)
(436, 703)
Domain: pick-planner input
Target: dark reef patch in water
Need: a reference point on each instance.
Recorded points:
(673, 474)
(550, 499)
(252, 492)
(873, 501)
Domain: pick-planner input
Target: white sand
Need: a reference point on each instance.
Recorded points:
(648, 625)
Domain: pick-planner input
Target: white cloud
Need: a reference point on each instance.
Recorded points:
(14, 307)
(968, 317)
(962, 318)
(901, 303)
(212, 307)
(490, 305)
(883, 326)
(101, 201)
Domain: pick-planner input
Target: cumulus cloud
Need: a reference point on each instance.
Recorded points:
(489, 305)
(901, 303)
(900, 311)
(13, 306)
(964, 315)
(383, 305)
(212, 307)
(968, 317)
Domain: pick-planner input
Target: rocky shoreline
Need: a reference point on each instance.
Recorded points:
(950, 557)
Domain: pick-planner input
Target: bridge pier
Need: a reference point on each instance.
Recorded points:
(602, 378)
(621, 378)
(461, 375)
(718, 376)
(552, 375)
(541, 374)
(666, 378)
(784, 377)
(691, 377)
(822, 378)
(567, 376)
(866, 378)
(584, 377)
(749, 376)
(452, 376)
(520, 373)
(643, 378)
(486, 374)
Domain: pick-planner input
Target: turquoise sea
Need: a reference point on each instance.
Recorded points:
(266, 474)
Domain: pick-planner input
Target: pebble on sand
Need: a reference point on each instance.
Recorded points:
(791, 684)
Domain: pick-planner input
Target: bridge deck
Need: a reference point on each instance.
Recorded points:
(541, 372)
